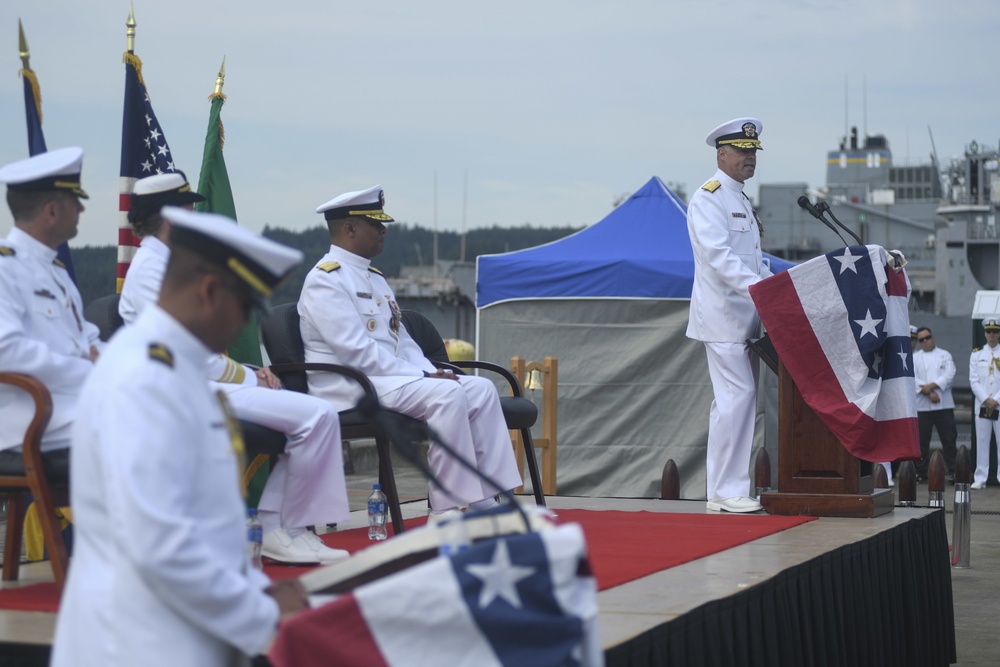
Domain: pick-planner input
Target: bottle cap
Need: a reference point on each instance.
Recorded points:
(376, 487)
(251, 511)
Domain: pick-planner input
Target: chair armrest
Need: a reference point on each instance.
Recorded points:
(347, 371)
(515, 385)
(32, 447)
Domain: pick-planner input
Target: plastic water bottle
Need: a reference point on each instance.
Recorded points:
(376, 513)
(255, 538)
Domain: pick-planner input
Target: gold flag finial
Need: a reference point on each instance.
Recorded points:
(130, 30)
(221, 79)
(23, 45)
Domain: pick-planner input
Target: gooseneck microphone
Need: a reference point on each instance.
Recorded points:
(809, 208)
(815, 212)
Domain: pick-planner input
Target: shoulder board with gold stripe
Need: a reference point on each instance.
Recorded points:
(58, 262)
(374, 270)
(329, 266)
(976, 349)
(6, 251)
(160, 352)
(711, 186)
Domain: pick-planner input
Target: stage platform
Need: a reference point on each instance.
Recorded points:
(829, 592)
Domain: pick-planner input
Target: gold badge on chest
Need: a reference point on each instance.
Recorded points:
(372, 325)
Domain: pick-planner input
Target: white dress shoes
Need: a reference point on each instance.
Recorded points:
(978, 485)
(303, 548)
(734, 505)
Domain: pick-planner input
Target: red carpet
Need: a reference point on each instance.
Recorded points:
(623, 546)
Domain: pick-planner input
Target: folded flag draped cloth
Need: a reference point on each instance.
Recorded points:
(841, 328)
(514, 601)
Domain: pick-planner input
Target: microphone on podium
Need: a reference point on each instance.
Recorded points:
(823, 207)
(815, 212)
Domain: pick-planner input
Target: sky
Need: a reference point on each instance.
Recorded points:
(550, 109)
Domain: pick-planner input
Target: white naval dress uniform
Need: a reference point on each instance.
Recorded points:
(160, 573)
(43, 334)
(984, 380)
(307, 484)
(725, 239)
(348, 315)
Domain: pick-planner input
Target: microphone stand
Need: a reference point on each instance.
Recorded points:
(403, 433)
(823, 207)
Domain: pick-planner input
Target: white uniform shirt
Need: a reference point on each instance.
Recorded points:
(725, 240)
(938, 367)
(160, 573)
(349, 316)
(984, 374)
(43, 334)
(142, 287)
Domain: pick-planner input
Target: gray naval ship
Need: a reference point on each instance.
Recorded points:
(942, 217)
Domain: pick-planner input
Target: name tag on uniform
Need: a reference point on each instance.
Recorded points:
(739, 215)
(364, 295)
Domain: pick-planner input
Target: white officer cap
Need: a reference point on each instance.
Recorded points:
(739, 132)
(53, 170)
(365, 203)
(258, 262)
(992, 323)
(154, 192)
(913, 331)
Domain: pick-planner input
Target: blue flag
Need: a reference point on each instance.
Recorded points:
(36, 142)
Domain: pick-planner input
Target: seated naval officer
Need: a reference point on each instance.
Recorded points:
(349, 316)
(160, 572)
(42, 330)
(306, 487)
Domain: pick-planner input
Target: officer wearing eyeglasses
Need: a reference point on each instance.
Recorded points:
(933, 373)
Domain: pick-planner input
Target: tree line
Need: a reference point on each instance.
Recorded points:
(406, 245)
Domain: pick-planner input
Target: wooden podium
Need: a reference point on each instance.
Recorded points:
(817, 476)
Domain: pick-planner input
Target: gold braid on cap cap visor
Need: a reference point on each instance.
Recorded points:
(72, 186)
(247, 276)
(741, 143)
(379, 215)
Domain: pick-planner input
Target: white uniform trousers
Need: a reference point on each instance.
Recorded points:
(984, 428)
(307, 485)
(734, 374)
(468, 417)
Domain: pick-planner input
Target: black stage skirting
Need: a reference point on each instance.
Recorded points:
(883, 601)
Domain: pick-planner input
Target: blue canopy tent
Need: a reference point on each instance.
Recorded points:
(611, 303)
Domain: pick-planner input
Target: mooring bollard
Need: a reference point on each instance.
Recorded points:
(935, 480)
(881, 479)
(907, 476)
(962, 525)
(670, 482)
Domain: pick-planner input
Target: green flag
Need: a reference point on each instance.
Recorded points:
(213, 185)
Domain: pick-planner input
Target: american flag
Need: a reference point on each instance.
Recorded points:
(840, 325)
(144, 152)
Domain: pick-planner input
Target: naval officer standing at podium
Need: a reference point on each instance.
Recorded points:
(725, 238)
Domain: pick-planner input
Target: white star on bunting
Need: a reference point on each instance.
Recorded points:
(847, 261)
(500, 577)
(868, 325)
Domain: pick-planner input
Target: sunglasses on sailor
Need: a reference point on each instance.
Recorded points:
(924, 339)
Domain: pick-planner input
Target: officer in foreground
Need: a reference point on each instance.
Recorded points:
(160, 571)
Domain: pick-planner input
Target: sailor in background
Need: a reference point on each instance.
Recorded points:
(725, 238)
(349, 316)
(160, 572)
(42, 330)
(984, 380)
(306, 486)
